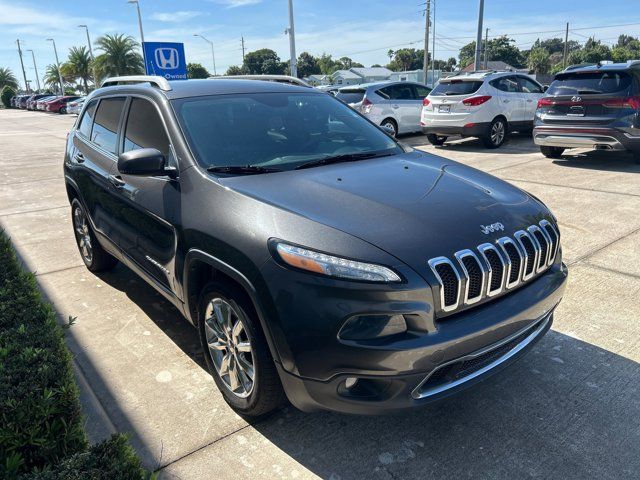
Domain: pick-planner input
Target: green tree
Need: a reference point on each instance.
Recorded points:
(451, 64)
(307, 65)
(196, 70)
(52, 78)
(6, 93)
(235, 70)
(79, 66)
(407, 59)
(120, 56)
(500, 48)
(538, 60)
(327, 64)
(593, 51)
(345, 63)
(7, 78)
(263, 62)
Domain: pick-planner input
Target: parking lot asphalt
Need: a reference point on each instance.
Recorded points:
(569, 409)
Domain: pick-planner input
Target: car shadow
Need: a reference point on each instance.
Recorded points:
(515, 144)
(599, 160)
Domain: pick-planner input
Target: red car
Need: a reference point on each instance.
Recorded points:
(59, 105)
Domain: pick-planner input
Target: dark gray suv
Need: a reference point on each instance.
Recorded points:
(317, 257)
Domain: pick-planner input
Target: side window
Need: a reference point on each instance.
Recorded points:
(87, 119)
(145, 129)
(384, 92)
(528, 86)
(105, 127)
(506, 84)
(398, 92)
(422, 92)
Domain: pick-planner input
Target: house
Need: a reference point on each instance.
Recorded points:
(358, 75)
(346, 77)
(416, 76)
(317, 80)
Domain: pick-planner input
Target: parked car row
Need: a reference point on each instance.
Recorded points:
(47, 102)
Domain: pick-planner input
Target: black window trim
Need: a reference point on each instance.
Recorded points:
(125, 119)
(525, 77)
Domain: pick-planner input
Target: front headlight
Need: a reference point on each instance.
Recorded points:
(324, 264)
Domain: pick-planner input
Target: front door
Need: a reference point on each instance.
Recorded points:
(531, 92)
(149, 205)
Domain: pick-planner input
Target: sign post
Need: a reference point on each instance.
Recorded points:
(165, 59)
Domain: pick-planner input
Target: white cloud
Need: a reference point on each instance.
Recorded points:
(175, 17)
(237, 3)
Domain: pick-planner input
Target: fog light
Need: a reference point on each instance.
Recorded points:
(350, 382)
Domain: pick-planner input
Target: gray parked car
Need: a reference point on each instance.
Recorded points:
(395, 105)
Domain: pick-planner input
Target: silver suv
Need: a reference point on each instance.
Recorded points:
(395, 105)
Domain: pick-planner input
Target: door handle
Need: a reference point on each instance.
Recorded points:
(395, 106)
(78, 157)
(117, 181)
(506, 101)
(529, 101)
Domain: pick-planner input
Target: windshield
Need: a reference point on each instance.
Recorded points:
(456, 87)
(277, 130)
(585, 83)
(350, 96)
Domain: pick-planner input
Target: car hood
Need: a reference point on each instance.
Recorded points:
(415, 206)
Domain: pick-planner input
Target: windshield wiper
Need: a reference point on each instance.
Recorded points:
(347, 157)
(241, 169)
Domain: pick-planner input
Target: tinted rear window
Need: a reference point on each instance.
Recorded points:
(105, 126)
(456, 87)
(585, 83)
(350, 96)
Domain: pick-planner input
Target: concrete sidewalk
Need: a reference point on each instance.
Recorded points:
(570, 409)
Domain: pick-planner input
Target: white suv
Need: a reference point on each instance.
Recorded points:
(487, 105)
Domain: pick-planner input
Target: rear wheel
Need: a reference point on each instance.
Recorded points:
(236, 351)
(436, 139)
(62, 110)
(552, 152)
(93, 255)
(496, 134)
(390, 123)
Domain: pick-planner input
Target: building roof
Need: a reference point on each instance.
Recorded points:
(372, 72)
(491, 65)
(346, 74)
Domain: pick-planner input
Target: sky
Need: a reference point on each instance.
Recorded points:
(362, 30)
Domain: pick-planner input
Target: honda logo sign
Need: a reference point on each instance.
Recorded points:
(165, 59)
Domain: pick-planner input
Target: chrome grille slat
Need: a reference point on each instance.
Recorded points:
(490, 269)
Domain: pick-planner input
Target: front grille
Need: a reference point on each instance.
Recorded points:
(470, 278)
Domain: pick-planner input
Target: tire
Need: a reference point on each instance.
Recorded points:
(552, 152)
(496, 133)
(238, 345)
(93, 255)
(63, 110)
(391, 123)
(437, 140)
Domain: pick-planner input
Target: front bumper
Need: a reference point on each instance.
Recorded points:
(414, 369)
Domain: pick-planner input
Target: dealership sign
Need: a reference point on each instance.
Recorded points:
(165, 59)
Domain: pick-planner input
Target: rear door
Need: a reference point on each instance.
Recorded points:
(593, 97)
(404, 106)
(532, 92)
(148, 206)
(511, 99)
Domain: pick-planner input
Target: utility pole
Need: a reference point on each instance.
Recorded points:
(433, 47)
(55, 50)
(24, 73)
(213, 55)
(292, 42)
(35, 67)
(95, 77)
(478, 58)
(566, 47)
(137, 4)
(242, 40)
(425, 62)
(486, 48)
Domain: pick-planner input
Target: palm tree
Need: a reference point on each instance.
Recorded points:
(7, 78)
(120, 56)
(52, 79)
(79, 65)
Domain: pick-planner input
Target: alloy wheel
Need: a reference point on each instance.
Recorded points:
(497, 133)
(391, 126)
(230, 346)
(83, 235)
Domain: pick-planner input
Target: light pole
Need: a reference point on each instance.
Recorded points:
(55, 50)
(24, 73)
(141, 31)
(33, 56)
(213, 55)
(478, 59)
(95, 77)
(292, 42)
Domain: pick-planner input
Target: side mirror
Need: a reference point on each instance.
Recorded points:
(145, 161)
(545, 88)
(388, 130)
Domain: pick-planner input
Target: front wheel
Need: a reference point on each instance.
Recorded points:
(236, 351)
(63, 110)
(496, 134)
(552, 152)
(437, 140)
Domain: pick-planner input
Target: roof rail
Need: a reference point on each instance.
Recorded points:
(268, 78)
(154, 80)
(633, 63)
(578, 65)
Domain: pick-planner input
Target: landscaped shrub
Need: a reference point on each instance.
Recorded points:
(6, 94)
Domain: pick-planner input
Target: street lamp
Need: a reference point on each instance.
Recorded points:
(213, 55)
(137, 4)
(55, 50)
(24, 73)
(95, 77)
(33, 56)
(292, 42)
